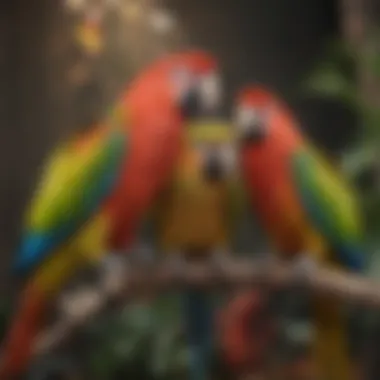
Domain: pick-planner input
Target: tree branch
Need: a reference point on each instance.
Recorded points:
(164, 277)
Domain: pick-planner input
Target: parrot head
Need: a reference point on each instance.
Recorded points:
(196, 84)
(262, 120)
(187, 83)
(213, 142)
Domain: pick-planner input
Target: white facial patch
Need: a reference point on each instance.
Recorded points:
(182, 80)
(224, 153)
(210, 89)
(244, 118)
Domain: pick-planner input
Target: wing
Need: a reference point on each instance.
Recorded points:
(331, 206)
(79, 176)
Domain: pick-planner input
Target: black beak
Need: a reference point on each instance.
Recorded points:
(213, 169)
(254, 134)
(190, 105)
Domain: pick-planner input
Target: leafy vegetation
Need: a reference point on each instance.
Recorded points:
(337, 77)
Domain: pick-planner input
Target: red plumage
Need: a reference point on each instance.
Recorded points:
(156, 127)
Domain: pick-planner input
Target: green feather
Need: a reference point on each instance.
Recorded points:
(330, 205)
(66, 186)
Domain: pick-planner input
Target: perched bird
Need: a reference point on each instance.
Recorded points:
(307, 208)
(97, 187)
(160, 102)
(64, 230)
(194, 221)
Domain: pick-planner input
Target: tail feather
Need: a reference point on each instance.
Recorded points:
(21, 336)
(331, 345)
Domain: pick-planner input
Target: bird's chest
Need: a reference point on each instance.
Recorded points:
(275, 199)
(193, 214)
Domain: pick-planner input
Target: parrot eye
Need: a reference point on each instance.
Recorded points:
(251, 124)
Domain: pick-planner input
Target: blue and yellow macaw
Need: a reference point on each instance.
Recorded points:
(195, 219)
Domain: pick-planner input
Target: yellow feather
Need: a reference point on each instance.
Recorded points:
(86, 247)
(339, 193)
(209, 131)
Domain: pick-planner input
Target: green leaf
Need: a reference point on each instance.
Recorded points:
(166, 346)
(340, 52)
(355, 161)
(328, 81)
(371, 126)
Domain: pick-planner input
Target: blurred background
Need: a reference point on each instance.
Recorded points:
(63, 63)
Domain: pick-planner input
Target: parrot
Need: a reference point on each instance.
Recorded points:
(98, 185)
(307, 208)
(247, 331)
(158, 114)
(194, 220)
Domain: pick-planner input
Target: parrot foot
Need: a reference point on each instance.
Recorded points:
(176, 263)
(81, 303)
(220, 261)
(143, 254)
(304, 267)
(177, 259)
(221, 257)
(113, 274)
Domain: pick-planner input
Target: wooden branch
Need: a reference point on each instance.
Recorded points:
(164, 277)
(358, 23)
(353, 21)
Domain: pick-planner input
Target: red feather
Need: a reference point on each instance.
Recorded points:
(156, 127)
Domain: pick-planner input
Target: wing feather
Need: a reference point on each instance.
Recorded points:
(331, 206)
(78, 177)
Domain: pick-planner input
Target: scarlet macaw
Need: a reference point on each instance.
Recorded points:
(306, 207)
(93, 195)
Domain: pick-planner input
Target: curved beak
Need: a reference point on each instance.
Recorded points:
(254, 134)
(213, 169)
(202, 98)
(190, 105)
(219, 164)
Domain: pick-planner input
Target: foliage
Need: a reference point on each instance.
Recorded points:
(142, 336)
(336, 78)
(142, 340)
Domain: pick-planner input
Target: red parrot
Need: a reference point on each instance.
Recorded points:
(308, 210)
(159, 103)
(246, 333)
(98, 187)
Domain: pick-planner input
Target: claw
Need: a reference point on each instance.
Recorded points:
(81, 303)
(143, 254)
(176, 262)
(220, 257)
(114, 271)
(305, 266)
